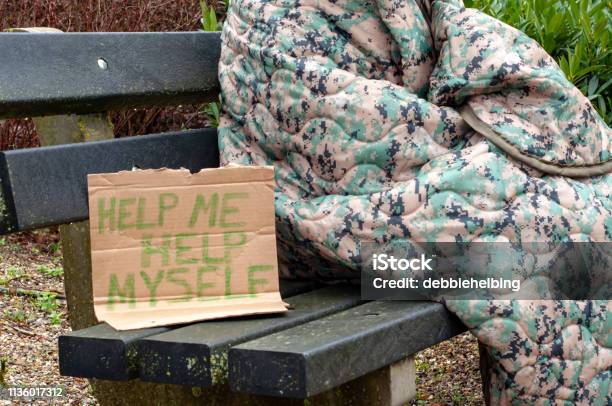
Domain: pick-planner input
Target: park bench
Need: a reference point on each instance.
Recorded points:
(331, 348)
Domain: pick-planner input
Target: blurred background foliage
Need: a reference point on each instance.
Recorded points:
(575, 32)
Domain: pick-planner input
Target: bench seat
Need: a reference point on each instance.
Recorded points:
(329, 337)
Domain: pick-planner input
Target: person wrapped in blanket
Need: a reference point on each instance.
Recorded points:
(422, 120)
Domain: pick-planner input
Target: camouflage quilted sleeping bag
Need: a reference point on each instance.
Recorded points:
(425, 121)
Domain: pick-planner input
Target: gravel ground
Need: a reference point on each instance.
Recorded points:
(447, 374)
(30, 325)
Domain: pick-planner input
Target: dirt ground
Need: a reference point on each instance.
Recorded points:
(30, 324)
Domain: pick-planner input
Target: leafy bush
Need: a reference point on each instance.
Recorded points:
(575, 32)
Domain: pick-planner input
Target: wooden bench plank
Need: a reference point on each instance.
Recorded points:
(105, 353)
(313, 357)
(101, 352)
(142, 69)
(48, 186)
(196, 355)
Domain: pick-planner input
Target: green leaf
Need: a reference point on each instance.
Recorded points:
(602, 106)
(209, 17)
(213, 113)
(605, 86)
(593, 83)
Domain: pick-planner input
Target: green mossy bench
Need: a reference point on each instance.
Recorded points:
(330, 348)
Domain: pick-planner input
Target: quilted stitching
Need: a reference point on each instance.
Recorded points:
(356, 105)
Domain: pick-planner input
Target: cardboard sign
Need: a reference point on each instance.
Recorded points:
(172, 247)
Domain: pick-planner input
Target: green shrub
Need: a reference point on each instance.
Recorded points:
(210, 22)
(574, 32)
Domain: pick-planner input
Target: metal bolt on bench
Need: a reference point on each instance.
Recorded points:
(332, 348)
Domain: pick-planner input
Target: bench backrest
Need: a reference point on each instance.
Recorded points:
(59, 73)
(65, 73)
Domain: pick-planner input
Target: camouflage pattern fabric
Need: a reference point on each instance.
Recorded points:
(425, 121)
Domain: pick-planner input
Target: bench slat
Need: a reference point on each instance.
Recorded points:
(101, 352)
(48, 186)
(143, 69)
(105, 353)
(196, 355)
(313, 357)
